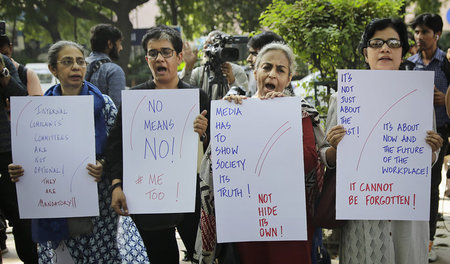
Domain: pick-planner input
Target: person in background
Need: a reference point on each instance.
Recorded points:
(30, 79)
(254, 45)
(427, 31)
(234, 75)
(163, 48)
(27, 76)
(108, 77)
(381, 241)
(10, 85)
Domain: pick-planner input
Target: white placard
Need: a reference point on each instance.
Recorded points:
(160, 150)
(53, 139)
(384, 163)
(257, 163)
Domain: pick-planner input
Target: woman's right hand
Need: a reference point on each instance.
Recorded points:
(119, 202)
(235, 98)
(15, 171)
(335, 135)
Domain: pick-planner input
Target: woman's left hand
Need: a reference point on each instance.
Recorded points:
(271, 95)
(201, 123)
(237, 99)
(434, 140)
(15, 172)
(96, 170)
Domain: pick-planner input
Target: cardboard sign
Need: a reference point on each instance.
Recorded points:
(257, 163)
(53, 139)
(383, 162)
(160, 150)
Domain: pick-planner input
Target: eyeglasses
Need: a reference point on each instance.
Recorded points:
(378, 43)
(165, 52)
(68, 62)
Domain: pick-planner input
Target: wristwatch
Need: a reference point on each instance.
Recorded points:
(4, 73)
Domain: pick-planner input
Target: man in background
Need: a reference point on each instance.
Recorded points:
(108, 77)
(427, 31)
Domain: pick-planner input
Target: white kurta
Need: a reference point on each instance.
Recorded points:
(380, 241)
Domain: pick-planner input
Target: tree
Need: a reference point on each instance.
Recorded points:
(60, 16)
(425, 6)
(200, 17)
(195, 17)
(119, 11)
(247, 12)
(326, 34)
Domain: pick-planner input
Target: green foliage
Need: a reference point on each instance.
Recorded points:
(139, 73)
(198, 18)
(51, 20)
(326, 33)
(444, 41)
(427, 6)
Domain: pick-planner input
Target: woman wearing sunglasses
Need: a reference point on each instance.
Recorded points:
(383, 44)
(97, 243)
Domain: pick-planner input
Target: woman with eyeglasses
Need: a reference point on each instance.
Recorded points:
(383, 44)
(163, 49)
(98, 243)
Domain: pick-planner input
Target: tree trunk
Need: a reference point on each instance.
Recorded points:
(173, 8)
(124, 24)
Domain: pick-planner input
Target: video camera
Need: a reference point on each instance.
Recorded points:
(221, 50)
(2, 28)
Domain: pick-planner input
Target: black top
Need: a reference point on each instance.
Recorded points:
(114, 151)
(22, 71)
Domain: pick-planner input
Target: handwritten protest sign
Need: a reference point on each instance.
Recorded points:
(384, 163)
(53, 139)
(160, 150)
(257, 163)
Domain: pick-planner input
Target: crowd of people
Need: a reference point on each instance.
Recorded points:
(116, 236)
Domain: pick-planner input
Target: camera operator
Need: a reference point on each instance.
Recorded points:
(208, 76)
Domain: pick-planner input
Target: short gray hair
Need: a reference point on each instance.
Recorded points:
(53, 51)
(278, 46)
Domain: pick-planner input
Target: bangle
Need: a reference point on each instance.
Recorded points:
(115, 185)
(102, 161)
(203, 137)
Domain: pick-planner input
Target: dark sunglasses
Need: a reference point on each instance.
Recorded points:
(378, 43)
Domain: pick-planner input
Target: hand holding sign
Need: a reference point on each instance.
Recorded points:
(160, 144)
(53, 141)
(250, 177)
